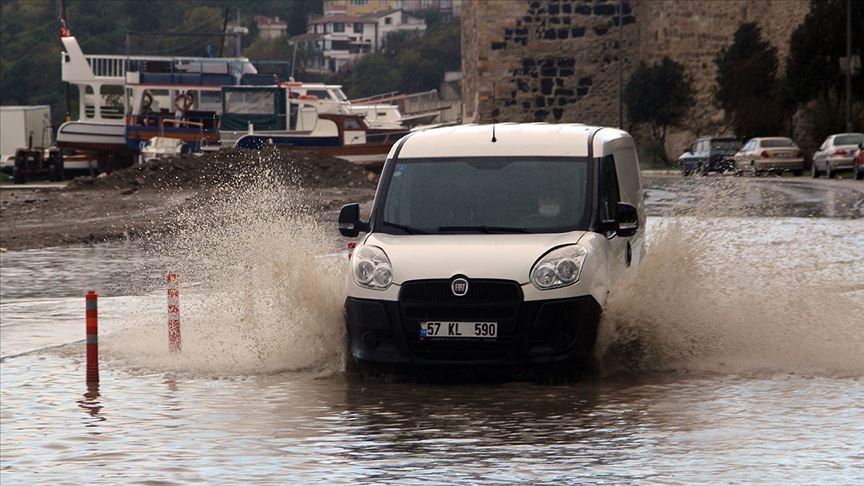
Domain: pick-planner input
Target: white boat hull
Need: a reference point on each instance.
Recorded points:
(98, 136)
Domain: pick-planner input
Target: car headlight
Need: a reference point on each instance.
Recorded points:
(558, 268)
(372, 268)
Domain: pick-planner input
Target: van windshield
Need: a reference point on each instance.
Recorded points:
(485, 195)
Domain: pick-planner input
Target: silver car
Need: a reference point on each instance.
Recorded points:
(769, 154)
(837, 153)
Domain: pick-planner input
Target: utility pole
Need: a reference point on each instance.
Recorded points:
(620, 65)
(848, 65)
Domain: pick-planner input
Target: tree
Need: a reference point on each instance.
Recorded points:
(410, 61)
(747, 86)
(659, 96)
(813, 68)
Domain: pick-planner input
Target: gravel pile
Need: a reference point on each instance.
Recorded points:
(308, 170)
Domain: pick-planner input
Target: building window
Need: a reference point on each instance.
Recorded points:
(340, 45)
(359, 2)
(338, 26)
(358, 28)
(388, 20)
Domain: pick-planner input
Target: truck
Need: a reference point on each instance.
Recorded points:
(492, 246)
(26, 140)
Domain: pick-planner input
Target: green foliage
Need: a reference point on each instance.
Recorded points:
(30, 46)
(747, 86)
(409, 62)
(813, 67)
(659, 96)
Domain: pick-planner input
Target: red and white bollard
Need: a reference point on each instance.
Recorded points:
(174, 341)
(92, 338)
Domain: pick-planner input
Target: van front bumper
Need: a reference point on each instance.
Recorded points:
(533, 332)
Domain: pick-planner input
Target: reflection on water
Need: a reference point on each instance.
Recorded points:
(91, 404)
(307, 428)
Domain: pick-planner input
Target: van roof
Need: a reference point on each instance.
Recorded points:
(528, 139)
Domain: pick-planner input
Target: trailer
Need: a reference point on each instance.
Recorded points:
(24, 127)
(26, 143)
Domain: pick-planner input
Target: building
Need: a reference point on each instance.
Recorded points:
(270, 28)
(566, 61)
(447, 8)
(341, 39)
(396, 21)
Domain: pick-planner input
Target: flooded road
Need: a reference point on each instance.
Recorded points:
(737, 356)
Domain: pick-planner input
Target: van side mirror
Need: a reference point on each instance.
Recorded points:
(349, 220)
(628, 219)
(625, 223)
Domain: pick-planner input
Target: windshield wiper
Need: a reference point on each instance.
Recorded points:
(407, 229)
(482, 229)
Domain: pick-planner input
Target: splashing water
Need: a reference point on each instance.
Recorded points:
(261, 288)
(742, 295)
(262, 292)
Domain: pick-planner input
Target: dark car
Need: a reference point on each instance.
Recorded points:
(709, 154)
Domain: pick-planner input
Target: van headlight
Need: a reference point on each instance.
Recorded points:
(558, 268)
(372, 268)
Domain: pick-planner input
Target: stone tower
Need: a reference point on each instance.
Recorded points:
(565, 60)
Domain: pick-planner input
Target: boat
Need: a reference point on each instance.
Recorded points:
(298, 123)
(210, 103)
(161, 147)
(128, 99)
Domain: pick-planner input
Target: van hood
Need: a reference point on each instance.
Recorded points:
(492, 256)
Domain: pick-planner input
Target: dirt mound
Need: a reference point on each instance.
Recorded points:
(308, 170)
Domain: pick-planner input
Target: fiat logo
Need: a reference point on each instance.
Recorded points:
(459, 287)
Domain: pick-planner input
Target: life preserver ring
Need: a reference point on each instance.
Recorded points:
(183, 101)
(147, 100)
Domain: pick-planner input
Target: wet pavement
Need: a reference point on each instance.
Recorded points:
(737, 356)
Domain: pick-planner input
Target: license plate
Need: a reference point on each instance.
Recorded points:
(455, 330)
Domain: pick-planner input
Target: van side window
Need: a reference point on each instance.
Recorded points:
(610, 194)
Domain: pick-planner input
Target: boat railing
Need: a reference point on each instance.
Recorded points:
(179, 123)
(107, 66)
(379, 98)
(117, 66)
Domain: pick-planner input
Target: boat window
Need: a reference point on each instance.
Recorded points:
(485, 195)
(210, 101)
(260, 102)
(352, 124)
(339, 94)
(321, 94)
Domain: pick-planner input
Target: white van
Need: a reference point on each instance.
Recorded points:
(492, 245)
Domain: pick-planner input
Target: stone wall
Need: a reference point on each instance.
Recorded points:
(560, 60)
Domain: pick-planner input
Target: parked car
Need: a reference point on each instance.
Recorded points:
(769, 154)
(859, 162)
(836, 153)
(709, 154)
